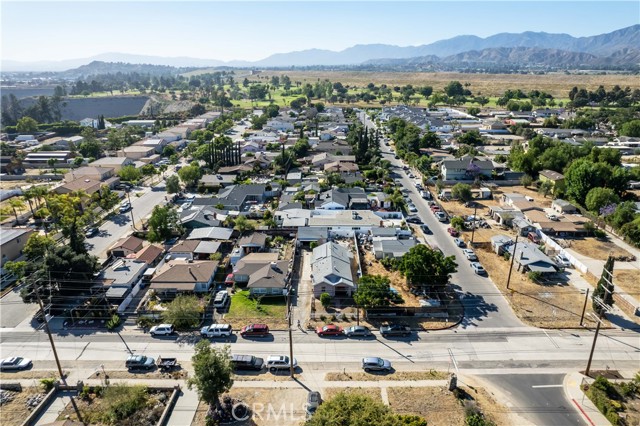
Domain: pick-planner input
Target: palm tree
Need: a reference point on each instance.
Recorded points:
(16, 204)
(396, 199)
(29, 195)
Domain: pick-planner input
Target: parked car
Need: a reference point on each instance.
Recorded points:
(453, 231)
(395, 330)
(255, 330)
(217, 330)
(125, 207)
(247, 362)
(469, 254)
(396, 157)
(357, 331)
(15, 363)
(314, 400)
(425, 194)
(137, 362)
(414, 219)
(425, 229)
(412, 208)
(441, 216)
(92, 232)
(477, 268)
(562, 261)
(459, 242)
(411, 176)
(162, 330)
(279, 362)
(221, 299)
(375, 364)
(533, 237)
(329, 330)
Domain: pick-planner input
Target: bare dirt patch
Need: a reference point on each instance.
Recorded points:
(155, 375)
(436, 404)
(263, 376)
(14, 412)
(398, 375)
(557, 305)
(7, 376)
(627, 279)
(597, 249)
(287, 406)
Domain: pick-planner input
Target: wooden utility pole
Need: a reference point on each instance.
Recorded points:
(593, 347)
(515, 246)
(289, 322)
(46, 328)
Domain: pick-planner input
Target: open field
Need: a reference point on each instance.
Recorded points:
(627, 279)
(597, 249)
(14, 412)
(557, 85)
(244, 310)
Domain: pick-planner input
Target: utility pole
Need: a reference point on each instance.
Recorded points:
(289, 322)
(515, 246)
(584, 307)
(593, 347)
(133, 221)
(473, 230)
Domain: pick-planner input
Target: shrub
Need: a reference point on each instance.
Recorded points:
(113, 322)
(599, 234)
(323, 318)
(47, 384)
(325, 300)
(535, 276)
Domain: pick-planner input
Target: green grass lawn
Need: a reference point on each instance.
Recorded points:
(242, 307)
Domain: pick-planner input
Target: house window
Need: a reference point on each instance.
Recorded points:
(323, 289)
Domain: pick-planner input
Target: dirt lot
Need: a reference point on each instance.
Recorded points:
(398, 375)
(597, 249)
(397, 280)
(271, 406)
(30, 374)
(329, 393)
(181, 374)
(440, 407)
(627, 279)
(13, 413)
(487, 84)
(547, 306)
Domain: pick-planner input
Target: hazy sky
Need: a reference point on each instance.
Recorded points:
(51, 30)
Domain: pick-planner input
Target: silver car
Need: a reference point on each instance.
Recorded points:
(15, 363)
(375, 364)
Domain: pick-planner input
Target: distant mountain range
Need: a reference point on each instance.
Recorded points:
(560, 49)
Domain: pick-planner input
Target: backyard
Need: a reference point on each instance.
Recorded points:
(246, 310)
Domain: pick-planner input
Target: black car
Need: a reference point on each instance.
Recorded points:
(395, 330)
(425, 229)
(247, 362)
(414, 219)
(92, 232)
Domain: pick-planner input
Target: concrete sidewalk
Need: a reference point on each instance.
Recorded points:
(572, 383)
(185, 409)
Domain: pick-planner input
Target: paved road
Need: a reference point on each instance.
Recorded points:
(538, 397)
(484, 305)
(13, 311)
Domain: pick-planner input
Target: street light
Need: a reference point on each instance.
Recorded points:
(593, 345)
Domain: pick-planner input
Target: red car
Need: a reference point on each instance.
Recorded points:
(453, 232)
(329, 330)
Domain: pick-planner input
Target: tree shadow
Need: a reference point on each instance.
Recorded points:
(475, 307)
(620, 321)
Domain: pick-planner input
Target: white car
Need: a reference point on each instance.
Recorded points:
(279, 362)
(477, 268)
(412, 208)
(562, 261)
(441, 216)
(221, 299)
(15, 363)
(162, 330)
(217, 330)
(469, 254)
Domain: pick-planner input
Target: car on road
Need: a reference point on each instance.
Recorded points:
(412, 208)
(441, 216)
(411, 176)
(425, 229)
(217, 330)
(140, 362)
(395, 330)
(279, 362)
(426, 195)
(125, 207)
(329, 330)
(414, 219)
(314, 400)
(162, 330)
(469, 254)
(255, 330)
(375, 364)
(247, 362)
(357, 331)
(562, 261)
(459, 242)
(15, 363)
(453, 231)
(477, 268)
(92, 232)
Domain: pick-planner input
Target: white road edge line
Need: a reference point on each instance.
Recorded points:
(546, 386)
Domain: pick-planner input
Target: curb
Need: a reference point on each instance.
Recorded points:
(572, 389)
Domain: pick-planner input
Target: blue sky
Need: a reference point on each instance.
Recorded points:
(50, 30)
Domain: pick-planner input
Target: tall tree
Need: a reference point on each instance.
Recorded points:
(426, 268)
(603, 295)
(212, 372)
(375, 291)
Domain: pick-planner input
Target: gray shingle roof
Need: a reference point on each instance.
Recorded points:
(331, 264)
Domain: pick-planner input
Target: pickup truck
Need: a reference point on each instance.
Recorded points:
(140, 362)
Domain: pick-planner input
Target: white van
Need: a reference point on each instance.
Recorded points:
(220, 299)
(217, 330)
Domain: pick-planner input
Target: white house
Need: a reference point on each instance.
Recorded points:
(280, 125)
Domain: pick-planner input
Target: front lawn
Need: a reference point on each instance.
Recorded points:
(245, 310)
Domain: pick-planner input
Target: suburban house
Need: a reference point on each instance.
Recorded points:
(12, 241)
(150, 255)
(253, 243)
(89, 186)
(157, 144)
(136, 152)
(551, 176)
(394, 248)
(200, 217)
(240, 197)
(120, 277)
(563, 207)
(522, 226)
(95, 173)
(340, 166)
(318, 235)
(504, 215)
(332, 270)
(529, 258)
(217, 181)
(465, 168)
(379, 200)
(568, 225)
(211, 233)
(249, 264)
(270, 280)
(345, 223)
(184, 276)
(194, 249)
(499, 244)
(117, 163)
(279, 125)
(41, 158)
(319, 160)
(125, 246)
(343, 199)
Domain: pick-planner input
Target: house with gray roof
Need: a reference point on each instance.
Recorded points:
(120, 277)
(211, 233)
(465, 168)
(393, 248)
(332, 270)
(499, 244)
(217, 180)
(12, 241)
(200, 217)
(249, 264)
(184, 276)
(343, 199)
(240, 197)
(529, 258)
(563, 206)
(271, 279)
